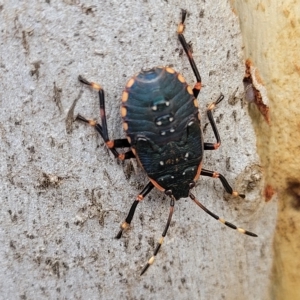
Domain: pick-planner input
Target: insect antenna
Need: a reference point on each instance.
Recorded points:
(241, 230)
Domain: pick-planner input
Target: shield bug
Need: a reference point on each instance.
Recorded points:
(162, 124)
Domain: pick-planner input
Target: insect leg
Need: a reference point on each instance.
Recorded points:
(151, 260)
(213, 146)
(111, 144)
(139, 198)
(241, 230)
(225, 183)
(98, 88)
(102, 130)
(189, 54)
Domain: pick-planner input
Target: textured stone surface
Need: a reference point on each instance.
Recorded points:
(63, 196)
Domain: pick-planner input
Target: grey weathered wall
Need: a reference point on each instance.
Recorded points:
(63, 196)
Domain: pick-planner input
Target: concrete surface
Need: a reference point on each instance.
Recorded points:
(63, 196)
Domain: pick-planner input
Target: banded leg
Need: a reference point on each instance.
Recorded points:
(189, 54)
(151, 260)
(139, 198)
(224, 182)
(111, 144)
(241, 230)
(102, 130)
(213, 146)
(98, 88)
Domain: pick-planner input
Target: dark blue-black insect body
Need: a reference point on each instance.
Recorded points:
(162, 123)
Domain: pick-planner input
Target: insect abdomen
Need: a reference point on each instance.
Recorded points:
(160, 117)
